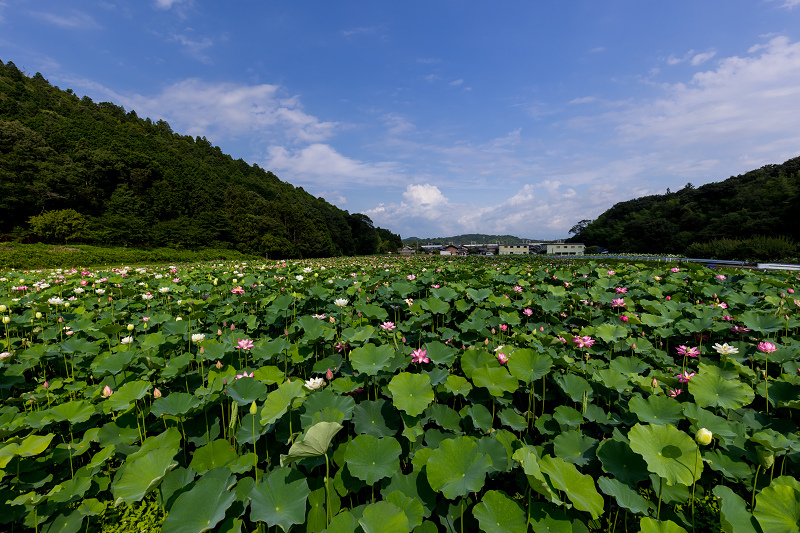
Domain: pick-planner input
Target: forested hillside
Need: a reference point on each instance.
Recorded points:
(72, 170)
(759, 209)
(468, 238)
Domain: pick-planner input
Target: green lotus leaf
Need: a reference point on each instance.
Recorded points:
(384, 517)
(127, 394)
(649, 525)
(411, 507)
(280, 499)
(612, 379)
(706, 419)
(762, 323)
(626, 497)
(411, 393)
(457, 385)
(474, 359)
(435, 306)
(547, 519)
(479, 295)
(371, 458)
(314, 443)
(445, 417)
(480, 415)
(344, 522)
(278, 401)
(218, 453)
(169, 438)
(377, 418)
(496, 452)
(575, 447)
(440, 353)
(269, 349)
(71, 490)
(201, 508)
(579, 488)
(575, 387)
(456, 467)
(269, 375)
(528, 365)
(371, 359)
(245, 391)
(610, 332)
(496, 379)
(415, 486)
(656, 409)
(711, 390)
(567, 417)
(730, 467)
(498, 513)
(778, 506)
(73, 412)
(772, 440)
(175, 404)
(628, 365)
(137, 478)
(669, 453)
(64, 523)
(326, 398)
(512, 419)
(734, 516)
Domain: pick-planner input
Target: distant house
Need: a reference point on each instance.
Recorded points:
(560, 248)
(514, 249)
(448, 250)
(407, 250)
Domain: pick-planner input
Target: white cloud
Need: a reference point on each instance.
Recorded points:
(702, 58)
(194, 47)
(426, 195)
(74, 19)
(457, 82)
(583, 100)
(167, 4)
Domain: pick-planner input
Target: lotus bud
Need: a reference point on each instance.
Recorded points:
(493, 331)
(3, 308)
(654, 384)
(156, 394)
(219, 331)
(202, 349)
(130, 327)
(329, 375)
(765, 457)
(38, 315)
(703, 437)
(219, 365)
(107, 392)
(253, 408)
(45, 384)
(486, 342)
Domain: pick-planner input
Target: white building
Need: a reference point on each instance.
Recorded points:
(560, 248)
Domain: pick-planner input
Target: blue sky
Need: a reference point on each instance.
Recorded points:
(442, 117)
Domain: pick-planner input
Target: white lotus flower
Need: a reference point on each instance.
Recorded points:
(314, 383)
(198, 337)
(126, 340)
(724, 349)
(340, 302)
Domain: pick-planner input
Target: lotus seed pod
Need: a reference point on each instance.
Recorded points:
(765, 457)
(703, 437)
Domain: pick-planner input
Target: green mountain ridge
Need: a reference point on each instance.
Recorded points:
(468, 238)
(97, 174)
(752, 215)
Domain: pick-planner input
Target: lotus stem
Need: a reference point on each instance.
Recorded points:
(755, 480)
(694, 481)
(660, 490)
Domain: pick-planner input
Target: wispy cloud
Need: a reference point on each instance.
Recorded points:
(194, 47)
(167, 4)
(456, 82)
(72, 19)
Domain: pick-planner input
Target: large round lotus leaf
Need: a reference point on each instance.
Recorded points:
(445, 417)
(528, 365)
(762, 323)
(142, 474)
(728, 466)
(711, 390)
(176, 404)
(656, 409)
(201, 508)
(280, 499)
(73, 412)
(343, 522)
(327, 398)
(457, 467)
(411, 393)
(456, 385)
(649, 525)
(669, 453)
(579, 488)
(626, 497)
(706, 419)
(512, 419)
(278, 401)
(245, 391)
(440, 353)
(575, 387)
(473, 359)
(127, 394)
(410, 506)
(498, 513)
(314, 443)
(628, 365)
(546, 518)
(575, 447)
(734, 516)
(384, 517)
(371, 459)
(377, 418)
(371, 359)
(415, 486)
(496, 379)
(218, 453)
(778, 506)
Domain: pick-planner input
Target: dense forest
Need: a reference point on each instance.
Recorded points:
(72, 170)
(753, 215)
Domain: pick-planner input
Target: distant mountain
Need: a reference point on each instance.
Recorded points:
(469, 238)
(72, 170)
(751, 216)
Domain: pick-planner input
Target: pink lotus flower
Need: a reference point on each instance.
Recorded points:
(503, 327)
(107, 392)
(244, 375)
(419, 356)
(687, 351)
(675, 269)
(388, 326)
(685, 377)
(617, 302)
(517, 288)
(244, 344)
(411, 277)
(740, 329)
(502, 358)
(610, 272)
(727, 317)
(527, 311)
(766, 347)
(673, 393)
(583, 342)
(720, 277)
(624, 318)
(621, 290)
(237, 290)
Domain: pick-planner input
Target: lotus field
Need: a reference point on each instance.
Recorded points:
(395, 395)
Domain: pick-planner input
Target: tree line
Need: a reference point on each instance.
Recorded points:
(72, 170)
